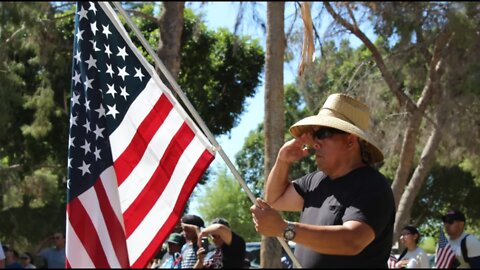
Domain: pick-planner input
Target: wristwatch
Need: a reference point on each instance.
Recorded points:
(289, 232)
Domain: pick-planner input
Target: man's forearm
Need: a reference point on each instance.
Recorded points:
(277, 181)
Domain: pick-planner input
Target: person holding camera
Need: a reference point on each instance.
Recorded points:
(229, 249)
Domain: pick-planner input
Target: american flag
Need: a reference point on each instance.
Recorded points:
(392, 260)
(134, 155)
(444, 255)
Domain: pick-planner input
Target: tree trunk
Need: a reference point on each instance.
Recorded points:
(171, 28)
(274, 120)
(426, 162)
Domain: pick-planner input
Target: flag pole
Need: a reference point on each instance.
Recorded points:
(199, 120)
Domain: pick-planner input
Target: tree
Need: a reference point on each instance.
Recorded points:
(274, 121)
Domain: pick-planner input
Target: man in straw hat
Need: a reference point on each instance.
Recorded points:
(348, 210)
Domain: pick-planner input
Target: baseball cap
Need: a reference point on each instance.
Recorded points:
(193, 220)
(453, 215)
(176, 238)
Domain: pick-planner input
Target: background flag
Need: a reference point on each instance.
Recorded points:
(392, 260)
(444, 255)
(134, 155)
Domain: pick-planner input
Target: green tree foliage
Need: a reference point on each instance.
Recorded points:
(225, 198)
(219, 71)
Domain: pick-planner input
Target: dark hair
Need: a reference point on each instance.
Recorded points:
(413, 230)
(220, 220)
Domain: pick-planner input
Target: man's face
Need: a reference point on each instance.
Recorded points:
(453, 228)
(330, 147)
(58, 240)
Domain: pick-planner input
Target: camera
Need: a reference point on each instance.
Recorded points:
(205, 243)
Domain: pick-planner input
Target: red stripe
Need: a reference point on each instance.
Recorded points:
(147, 198)
(115, 229)
(67, 263)
(203, 162)
(127, 161)
(86, 232)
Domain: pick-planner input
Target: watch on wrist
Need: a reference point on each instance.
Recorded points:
(289, 232)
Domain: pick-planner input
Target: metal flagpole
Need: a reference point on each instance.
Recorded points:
(199, 120)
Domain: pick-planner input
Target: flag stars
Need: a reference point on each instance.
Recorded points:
(79, 35)
(101, 111)
(110, 70)
(77, 57)
(70, 141)
(111, 90)
(76, 78)
(92, 62)
(106, 31)
(69, 162)
(93, 8)
(87, 126)
(112, 110)
(97, 154)
(98, 132)
(86, 147)
(75, 98)
(85, 168)
(88, 83)
(122, 72)
(107, 50)
(124, 92)
(94, 43)
(139, 73)
(83, 14)
(122, 52)
(93, 27)
(73, 120)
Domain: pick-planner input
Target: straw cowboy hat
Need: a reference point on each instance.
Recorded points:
(344, 113)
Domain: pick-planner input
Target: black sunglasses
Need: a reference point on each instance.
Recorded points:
(323, 133)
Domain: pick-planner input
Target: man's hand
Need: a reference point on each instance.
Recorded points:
(267, 220)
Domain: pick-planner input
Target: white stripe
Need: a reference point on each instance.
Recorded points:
(142, 173)
(153, 221)
(140, 108)
(109, 180)
(75, 253)
(91, 204)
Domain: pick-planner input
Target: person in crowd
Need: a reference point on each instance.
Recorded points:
(191, 226)
(173, 259)
(26, 259)
(11, 259)
(465, 246)
(412, 256)
(347, 205)
(2, 256)
(229, 249)
(54, 256)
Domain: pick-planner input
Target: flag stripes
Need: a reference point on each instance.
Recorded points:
(134, 154)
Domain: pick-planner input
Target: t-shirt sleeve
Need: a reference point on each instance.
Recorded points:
(303, 184)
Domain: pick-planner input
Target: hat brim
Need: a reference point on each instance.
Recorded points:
(309, 123)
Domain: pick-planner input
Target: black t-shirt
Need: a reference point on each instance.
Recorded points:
(363, 195)
(234, 254)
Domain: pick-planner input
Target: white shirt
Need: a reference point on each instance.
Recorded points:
(473, 248)
(417, 258)
(2, 254)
